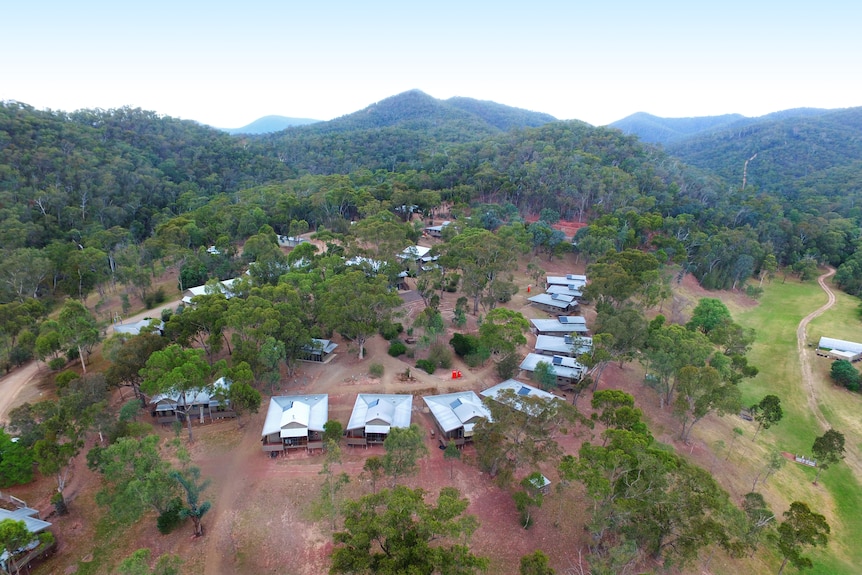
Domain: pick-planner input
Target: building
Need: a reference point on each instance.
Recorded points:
(31, 551)
(518, 388)
(209, 403)
(319, 350)
(158, 327)
(374, 414)
(456, 414)
(839, 349)
(295, 422)
(567, 369)
(554, 303)
(290, 241)
(571, 289)
(561, 326)
(437, 231)
(413, 253)
(223, 286)
(575, 280)
(567, 345)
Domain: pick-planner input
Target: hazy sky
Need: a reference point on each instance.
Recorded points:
(229, 63)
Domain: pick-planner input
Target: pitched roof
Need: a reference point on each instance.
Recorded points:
(454, 410)
(136, 327)
(324, 346)
(839, 344)
(29, 516)
(562, 366)
(561, 301)
(518, 388)
(381, 411)
(568, 279)
(564, 345)
(209, 395)
(296, 415)
(556, 326)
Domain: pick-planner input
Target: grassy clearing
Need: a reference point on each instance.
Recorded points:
(839, 495)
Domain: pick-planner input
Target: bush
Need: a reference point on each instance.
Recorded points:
(477, 358)
(64, 377)
(376, 370)
(507, 366)
(57, 363)
(844, 373)
(170, 519)
(426, 364)
(440, 355)
(155, 298)
(464, 344)
(397, 348)
(391, 330)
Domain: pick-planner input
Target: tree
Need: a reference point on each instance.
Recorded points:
(545, 376)
(801, 527)
(243, 398)
(536, 563)
(529, 496)
(392, 532)
(138, 563)
(766, 413)
(828, 449)
(701, 391)
(708, 315)
(404, 446)
(333, 482)
(521, 432)
(332, 431)
(669, 348)
(128, 356)
(775, 462)
(452, 453)
(373, 470)
(16, 462)
(843, 372)
(193, 487)
(136, 478)
(357, 306)
(15, 538)
(77, 329)
(502, 330)
(178, 372)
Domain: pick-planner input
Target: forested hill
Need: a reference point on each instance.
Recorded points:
(657, 130)
(792, 155)
(269, 124)
(393, 133)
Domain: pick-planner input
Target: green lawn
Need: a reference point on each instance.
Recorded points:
(839, 495)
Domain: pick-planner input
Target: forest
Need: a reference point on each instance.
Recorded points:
(95, 201)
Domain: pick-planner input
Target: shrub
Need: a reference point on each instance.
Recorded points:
(507, 366)
(57, 363)
(155, 298)
(376, 370)
(441, 355)
(64, 377)
(844, 373)
(391, 330)
(426, 364)
(397, 348)
(477, 358)
(170, 519)
(464, 344)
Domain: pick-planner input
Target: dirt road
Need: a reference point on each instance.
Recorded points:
(12, 386)
(852, 458)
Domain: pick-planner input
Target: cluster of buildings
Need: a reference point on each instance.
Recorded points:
(297, 421)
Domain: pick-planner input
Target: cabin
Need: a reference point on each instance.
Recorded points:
(20, 559)
(224, 286)
(413, 253)
(554, 303)
(567, 369)
(148, 324)
(568, 346)
(561, 326)
(290, 241)
(571, 289)
(839, 349)
(437, 231)
(574, 280)
(456, 414)
(518, 388)
(294, 422)
(318, 351)
(207, 404)
(374, 414)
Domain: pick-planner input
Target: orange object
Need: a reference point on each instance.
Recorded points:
(454, 374)
(528, 288)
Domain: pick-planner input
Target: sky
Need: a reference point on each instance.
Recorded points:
(228, 63)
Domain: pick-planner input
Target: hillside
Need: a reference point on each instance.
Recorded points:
(269, 124)
(656, 130)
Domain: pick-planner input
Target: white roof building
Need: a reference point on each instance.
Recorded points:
(571, 289)
(561, 302)
(211, 396)
(296, 415)
(224, 286)
(454, 411)
(564, 367)
(576, 280)
(135, 328)
(378, 412)
(840, 345)
(563, 325)
(553, 345)
(518, 388)
(414, 253)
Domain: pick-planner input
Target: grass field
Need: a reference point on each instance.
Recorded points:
(839, 494)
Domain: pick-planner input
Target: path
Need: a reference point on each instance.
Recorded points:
(13, 384)
(853, 458)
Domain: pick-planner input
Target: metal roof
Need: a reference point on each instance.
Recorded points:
(289, 415)
(555, 326)
(520, 389)
(29, 516)
(563, 345)
(561, 301)
(212, 395)
(454, 410)
(567, 367)
(839, 344)
(392, 410)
